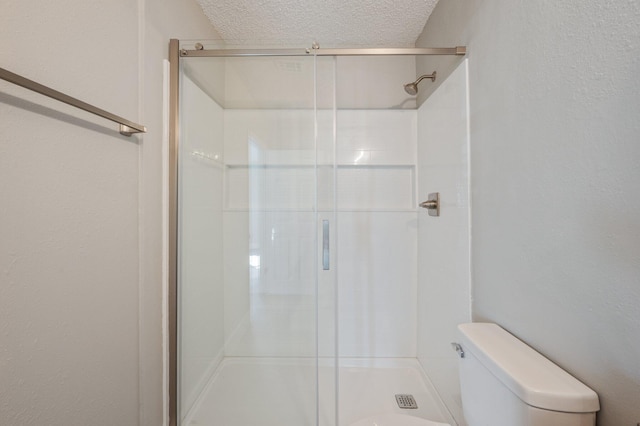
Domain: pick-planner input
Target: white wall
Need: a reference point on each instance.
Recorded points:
(80, 245)
(443, 242)
(554, 148)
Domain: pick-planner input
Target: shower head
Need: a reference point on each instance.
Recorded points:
(412, 88)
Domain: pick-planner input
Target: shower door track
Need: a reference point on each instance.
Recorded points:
(175, 53)
(200, 52)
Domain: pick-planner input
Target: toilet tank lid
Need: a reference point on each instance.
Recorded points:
(532, 377)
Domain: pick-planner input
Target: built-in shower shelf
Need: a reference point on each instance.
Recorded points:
(377, 166)
(269, 166)
(296, 187)
(307, 166)
(324, 210)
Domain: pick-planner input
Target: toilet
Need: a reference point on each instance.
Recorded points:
(504, 382)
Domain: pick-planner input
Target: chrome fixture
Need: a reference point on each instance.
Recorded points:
(458, 349)
(412, 88)
(127, 128)
(314, 46)
(212, 53)
(432, 204)
(406, 400)
(325, 245)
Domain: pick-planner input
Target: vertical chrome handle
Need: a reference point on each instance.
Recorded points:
(325, 245)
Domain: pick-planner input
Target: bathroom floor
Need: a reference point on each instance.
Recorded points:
(282, 392)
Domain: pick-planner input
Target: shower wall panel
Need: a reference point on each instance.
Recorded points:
(444, 242)
(372, 82)
(377, 284)
(376, 232)
(376, 137)
(377, 243)
(200, 221)
(270, 233)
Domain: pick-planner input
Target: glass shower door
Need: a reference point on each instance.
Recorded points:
(256, 304)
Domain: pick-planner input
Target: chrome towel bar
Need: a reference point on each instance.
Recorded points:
(127, 127)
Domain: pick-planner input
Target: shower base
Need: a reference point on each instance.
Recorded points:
(282, 392)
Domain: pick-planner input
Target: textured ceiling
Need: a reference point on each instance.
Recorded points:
(332, 23)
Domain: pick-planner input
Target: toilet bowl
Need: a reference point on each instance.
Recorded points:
(396, 420)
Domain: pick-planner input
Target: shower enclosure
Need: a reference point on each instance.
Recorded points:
(294, 235)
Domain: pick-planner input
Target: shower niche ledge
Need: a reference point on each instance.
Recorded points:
(292, 187)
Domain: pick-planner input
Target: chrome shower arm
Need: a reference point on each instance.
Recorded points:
(432, 76)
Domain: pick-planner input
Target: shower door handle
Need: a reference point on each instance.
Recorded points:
(325, 245)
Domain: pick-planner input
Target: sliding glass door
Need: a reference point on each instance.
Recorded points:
(256, 226)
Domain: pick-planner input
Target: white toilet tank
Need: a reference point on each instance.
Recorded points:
(504, 382)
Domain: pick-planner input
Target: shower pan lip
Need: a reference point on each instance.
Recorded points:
(360, 404)
(393, 419)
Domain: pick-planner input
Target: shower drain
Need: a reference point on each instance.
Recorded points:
(406, 401)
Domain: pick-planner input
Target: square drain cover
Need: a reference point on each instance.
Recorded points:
(406, 401)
